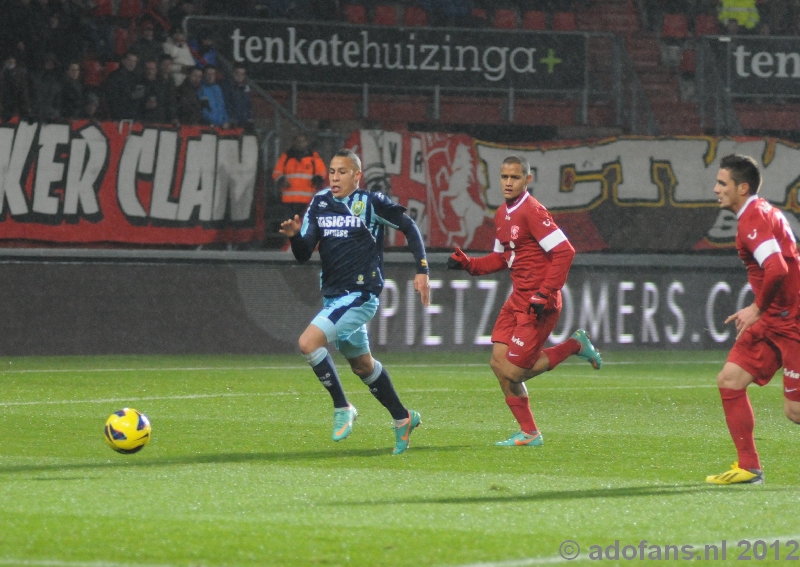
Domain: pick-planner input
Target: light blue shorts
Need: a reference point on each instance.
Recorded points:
(344, 320)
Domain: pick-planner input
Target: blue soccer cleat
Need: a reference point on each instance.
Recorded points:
(403, 434)
(343, 419)
(588, 352)
(522, 439)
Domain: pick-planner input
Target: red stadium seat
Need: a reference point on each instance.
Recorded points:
(414, 16)
(705, 25)
(110, 67)
(384, 15)
(675, 26)
(102, 8)
(534, 20)
(481, 16)
(92, 71)
(564, 21)
(121, 41)
(688, 61)
(130, 8)
(504, 19)
(355, 13)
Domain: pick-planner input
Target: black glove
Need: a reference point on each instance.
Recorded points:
(458, 260)
(538, 303)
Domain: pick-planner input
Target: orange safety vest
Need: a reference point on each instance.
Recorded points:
(299, 173)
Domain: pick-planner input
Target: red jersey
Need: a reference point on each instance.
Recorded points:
(767, 247)
(529, 243)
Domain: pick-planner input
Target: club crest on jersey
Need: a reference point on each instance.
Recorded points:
(514, 232)
(360, 280)
(358, 208)
(752, 235)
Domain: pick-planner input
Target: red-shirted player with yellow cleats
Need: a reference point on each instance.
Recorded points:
(768, 330)
(529, 244)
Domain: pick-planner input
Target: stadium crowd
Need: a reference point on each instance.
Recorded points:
(129, 59)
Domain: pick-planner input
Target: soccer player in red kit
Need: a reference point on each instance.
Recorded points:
(768, 330)
(528, 243)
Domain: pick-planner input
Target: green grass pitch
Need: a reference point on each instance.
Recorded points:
(241, 470)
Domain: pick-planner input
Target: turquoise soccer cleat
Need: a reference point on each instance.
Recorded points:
(402, 434)
(522, 439)
(343, 419)
(588, 352)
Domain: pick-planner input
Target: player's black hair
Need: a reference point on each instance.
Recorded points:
(526, 167)
(346, 153)
(743, 169)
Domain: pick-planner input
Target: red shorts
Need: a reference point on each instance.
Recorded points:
(764, 348)
(523, 334)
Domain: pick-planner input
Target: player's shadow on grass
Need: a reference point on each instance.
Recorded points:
(622, 492)
(124, 461)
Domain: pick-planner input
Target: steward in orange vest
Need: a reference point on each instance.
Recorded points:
(299, 173)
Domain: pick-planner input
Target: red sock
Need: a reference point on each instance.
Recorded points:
(741, 422)
(559, 353)
(521, 409)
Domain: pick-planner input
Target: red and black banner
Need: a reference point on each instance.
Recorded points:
(127, 183)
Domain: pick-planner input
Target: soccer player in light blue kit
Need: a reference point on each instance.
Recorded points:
(348, 223)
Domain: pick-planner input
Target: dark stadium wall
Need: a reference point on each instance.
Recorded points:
(64, 308)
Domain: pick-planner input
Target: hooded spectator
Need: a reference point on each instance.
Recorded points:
(15, 97)
(210, 93)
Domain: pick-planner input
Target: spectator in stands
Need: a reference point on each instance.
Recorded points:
(238, 99)
(299, 173)
(210, 93)
(46, 89)
(189, 109)
(448, 12)
(326, 10)
(182, 60)
(147, 46)
(15, 97)
(181, 10)
(72, 92)
(203, 49)
(168, 84)
(744, 12)
(154, 105)
(59, 39)
(124, 90)
(91, 107)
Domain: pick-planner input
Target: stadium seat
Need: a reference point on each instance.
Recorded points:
(480, 16)
(130, 8)
(534, 20)
(355, 13)
(705, 25)
(688, 61)
(121, 41)
(564, 21)
(675, 26)
(110, 67)
(504, 19)
(415, 16)
(92, 71)
(385, 15)
(102, 8)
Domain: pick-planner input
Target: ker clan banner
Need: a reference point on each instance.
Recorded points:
(622, 194)
(121, 183)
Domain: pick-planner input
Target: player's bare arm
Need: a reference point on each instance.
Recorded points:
(423, 287)
(290, 227)
(745, 318)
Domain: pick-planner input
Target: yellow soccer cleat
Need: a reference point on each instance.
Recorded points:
(737, 476)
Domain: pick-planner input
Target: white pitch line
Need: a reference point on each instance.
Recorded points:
(732, 552)
(251, 394)
(300, 367)
(60, 563)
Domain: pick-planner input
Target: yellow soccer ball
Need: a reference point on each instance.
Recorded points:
(127, 431)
